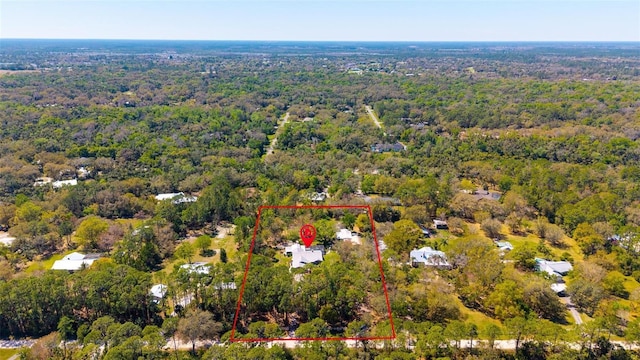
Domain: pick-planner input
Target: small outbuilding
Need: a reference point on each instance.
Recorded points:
(158, 292)
(440, 224)
(201, 268)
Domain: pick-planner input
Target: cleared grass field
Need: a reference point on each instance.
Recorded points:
(43, 265)
(7, 353)
(228, 243)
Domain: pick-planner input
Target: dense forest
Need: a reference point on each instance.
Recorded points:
(153, 158)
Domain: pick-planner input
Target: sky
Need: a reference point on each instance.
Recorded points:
(324, 20)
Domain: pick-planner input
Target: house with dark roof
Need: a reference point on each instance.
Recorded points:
(382, 148)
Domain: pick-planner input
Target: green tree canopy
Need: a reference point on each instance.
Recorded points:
(89, 231)
(405, 236)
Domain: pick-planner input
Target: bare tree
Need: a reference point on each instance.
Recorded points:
(198, 325)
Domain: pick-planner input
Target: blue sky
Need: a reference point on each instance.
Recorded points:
(342, 20)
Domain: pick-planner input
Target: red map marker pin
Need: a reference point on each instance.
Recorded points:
(308, 234)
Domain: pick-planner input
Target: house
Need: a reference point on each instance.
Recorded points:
(290, 249)
(382, 246)
(419, 126)
(504, 246)
(201, 268)
(5, 238)
(177, 198)
(626, 241)
(75, 261)
(225, 286)
(428, 257)
(41, 181)
(555, 268)
(158, 292)
(440, 224)
(382, 148)
(83, 173)
(481, 194)
(168, 196)
(344, 234)
(348, 235)
(559, 288)
(61, 183)
(318, 196)
(319, 248)
(301, 256)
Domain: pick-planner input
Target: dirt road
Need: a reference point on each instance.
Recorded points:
(274, 141)
(373, 117)
(573, 311)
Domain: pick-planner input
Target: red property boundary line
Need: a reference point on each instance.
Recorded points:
(246, 271)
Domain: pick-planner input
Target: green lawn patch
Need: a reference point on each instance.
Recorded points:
(43, 265)
(228, 243)
(7, 353)
(476, 317)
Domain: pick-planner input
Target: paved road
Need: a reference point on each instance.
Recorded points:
(498, 344)
(274, 141)
(373, 117)
(574, 312)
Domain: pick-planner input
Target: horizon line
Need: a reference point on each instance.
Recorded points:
(327, 40)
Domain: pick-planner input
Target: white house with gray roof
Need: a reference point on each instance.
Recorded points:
(556, 268)
(428, 257)
(75, 261)
(301, 256)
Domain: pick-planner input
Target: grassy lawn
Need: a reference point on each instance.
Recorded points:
(228, 243)
(126, 222)
(43, 265)
(570, 321)
(631, 284)
(476, 317)
(282, 259)
(7, 353)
